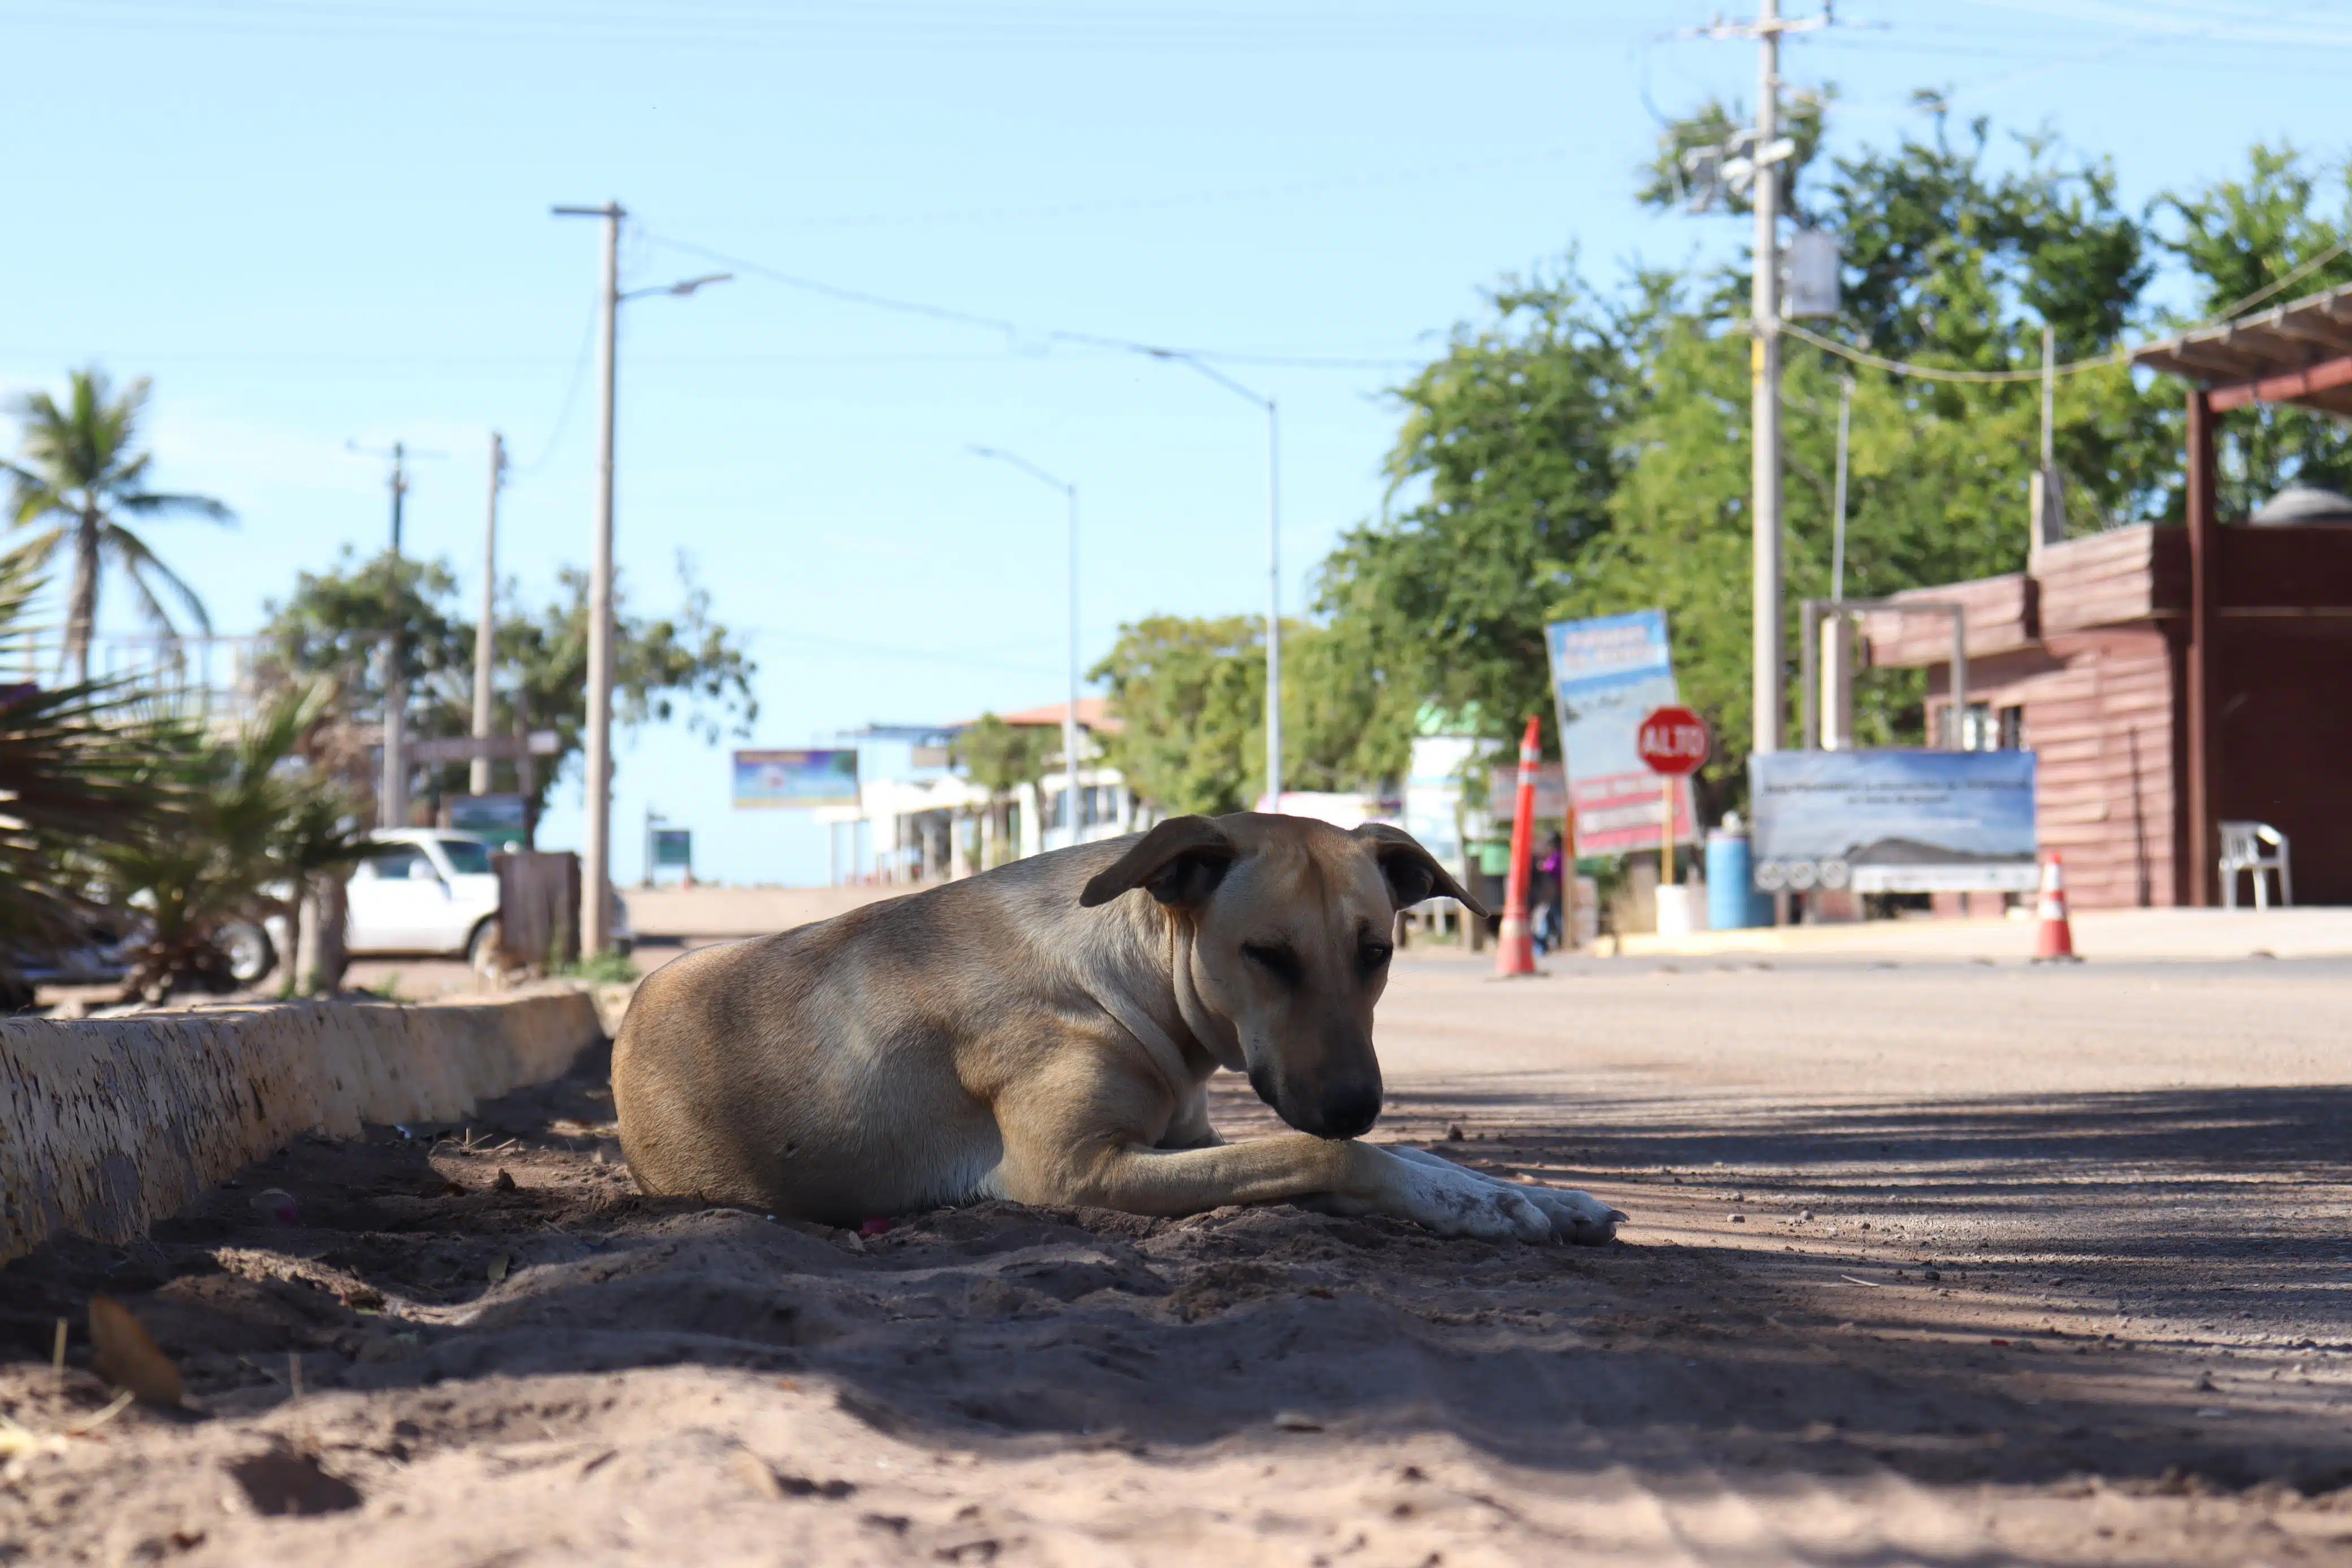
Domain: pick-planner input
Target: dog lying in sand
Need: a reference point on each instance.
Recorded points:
(1044, 1032)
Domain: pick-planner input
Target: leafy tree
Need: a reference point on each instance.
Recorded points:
(1586, 453)
(2241, 237)
(683, 664)
(1499, 482)
(1002, 758)
(1192, 692)
(1666, 180)
(81, 465)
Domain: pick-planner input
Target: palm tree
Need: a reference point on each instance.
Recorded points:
(250, 833)
(81, 465)
(77, 777)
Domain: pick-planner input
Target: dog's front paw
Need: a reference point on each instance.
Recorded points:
(1577, 1217)
(1455, 1202)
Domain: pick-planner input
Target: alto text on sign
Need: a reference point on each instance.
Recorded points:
(1673, 741)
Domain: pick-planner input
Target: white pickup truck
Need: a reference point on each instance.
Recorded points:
(419, 891)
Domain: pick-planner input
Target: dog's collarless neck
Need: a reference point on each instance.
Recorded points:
(1210, 1040)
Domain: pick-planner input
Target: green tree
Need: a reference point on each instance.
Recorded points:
(1667, 179)
(2248, 235)
(1581, 455)
(686, 664)
(1193, 693)
(1002, 758)
(81, 465)
(1498, 484)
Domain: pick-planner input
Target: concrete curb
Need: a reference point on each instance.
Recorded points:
(107, 1125)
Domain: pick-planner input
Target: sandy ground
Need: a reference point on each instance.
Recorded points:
(1946, 1262)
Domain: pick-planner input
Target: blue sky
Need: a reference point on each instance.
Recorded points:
(315, 222)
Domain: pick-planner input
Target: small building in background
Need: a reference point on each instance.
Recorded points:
(2172, 678)
(919, 820)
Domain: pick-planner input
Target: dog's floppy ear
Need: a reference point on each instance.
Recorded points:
(1413, 872)
(1180, 862)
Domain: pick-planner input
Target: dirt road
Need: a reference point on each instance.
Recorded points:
(1930, 1264)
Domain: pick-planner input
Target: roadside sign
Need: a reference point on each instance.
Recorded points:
(503, 820)
(1606, 673)
(466, 747)
(1894, 821)
(784, 780)
(674, 847)
(1673, 741)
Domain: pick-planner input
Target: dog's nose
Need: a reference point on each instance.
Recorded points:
(1350, 1110)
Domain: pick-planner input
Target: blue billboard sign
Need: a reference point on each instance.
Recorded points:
(1608, 675)
(789, 778)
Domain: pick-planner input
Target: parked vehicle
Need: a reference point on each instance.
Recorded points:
(420, 891)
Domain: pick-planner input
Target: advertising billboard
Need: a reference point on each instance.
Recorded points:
(796, 779)
(1607, 674)
(1893, 822)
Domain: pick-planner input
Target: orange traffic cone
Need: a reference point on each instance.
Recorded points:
(2055, 943)
(1515, 947)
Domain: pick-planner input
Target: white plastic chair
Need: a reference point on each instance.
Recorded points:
(2243, 846)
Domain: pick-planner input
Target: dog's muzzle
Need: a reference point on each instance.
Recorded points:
(1345, 1109)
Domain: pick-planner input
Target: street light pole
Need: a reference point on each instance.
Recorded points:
(595, 867)
(1273, 556)
(484, 630)
(1070, 713)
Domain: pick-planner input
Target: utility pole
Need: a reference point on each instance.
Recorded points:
(392, 789)
(484, 630)
(1273, 606)
(595, 867)
(597, 861)
(2049, 499)
(1764, 368)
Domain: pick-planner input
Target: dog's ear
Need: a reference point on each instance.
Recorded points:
(1179, 863)
(1413, 872)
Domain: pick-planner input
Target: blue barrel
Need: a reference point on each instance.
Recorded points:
(1731, 904)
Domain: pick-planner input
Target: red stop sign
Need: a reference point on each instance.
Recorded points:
(1674, 741)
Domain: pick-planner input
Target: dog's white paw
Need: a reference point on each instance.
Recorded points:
(1577, 1217)
(1440, 1197)
(1571, 1216)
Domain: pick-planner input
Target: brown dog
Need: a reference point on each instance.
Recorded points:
(1042, 1032)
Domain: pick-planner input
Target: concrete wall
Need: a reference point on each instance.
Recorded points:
(107, 1125)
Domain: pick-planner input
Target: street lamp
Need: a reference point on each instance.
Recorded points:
(1069, 714)
(1273, 560)
(596, 862)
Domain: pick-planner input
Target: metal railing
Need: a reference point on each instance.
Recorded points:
(205, 679)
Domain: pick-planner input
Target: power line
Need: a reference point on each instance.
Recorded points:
(2073, 367)
(570, 399)
(1011, 329)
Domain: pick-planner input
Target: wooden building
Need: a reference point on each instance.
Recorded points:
(2174, 677)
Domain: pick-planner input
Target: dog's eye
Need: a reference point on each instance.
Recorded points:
(1374, 954)
(1279, 962)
